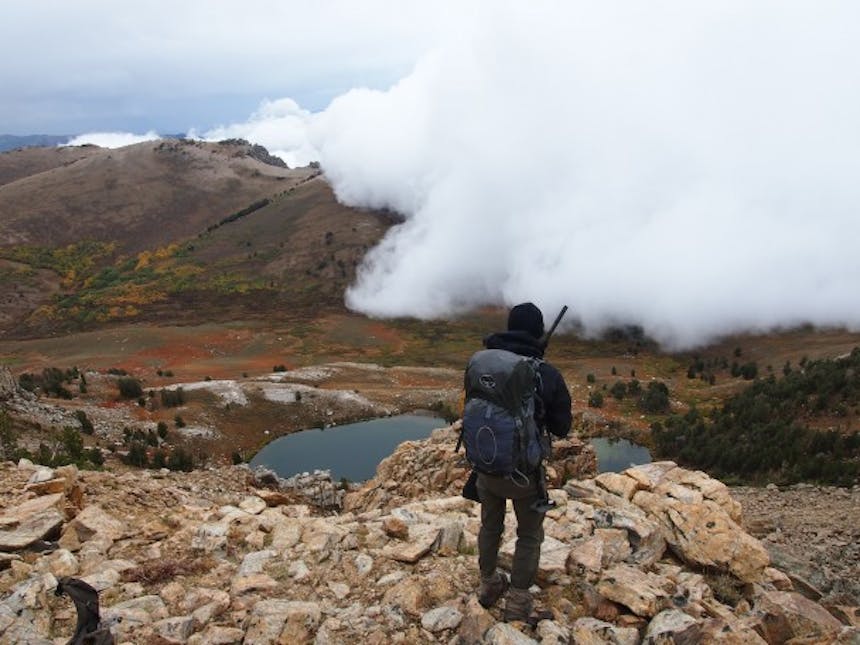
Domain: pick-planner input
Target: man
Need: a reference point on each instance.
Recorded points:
(523, 337)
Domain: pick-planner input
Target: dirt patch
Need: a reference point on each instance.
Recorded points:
(812, 532)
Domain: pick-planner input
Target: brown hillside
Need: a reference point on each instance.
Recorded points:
(21, 163)
(170, 231)
(142, 196)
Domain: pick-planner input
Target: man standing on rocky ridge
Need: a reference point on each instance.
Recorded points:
(553, 413)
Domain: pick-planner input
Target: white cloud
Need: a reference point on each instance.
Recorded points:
(111, 139)
(281, 126)
(684, 167)
(690, 167)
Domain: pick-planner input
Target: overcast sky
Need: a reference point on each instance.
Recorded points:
(691, 167)
(173, 65)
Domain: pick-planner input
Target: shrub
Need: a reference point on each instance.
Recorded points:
(655, 398)
(129, 387)
(8, 439)
(595, 400)
(237, 458)
(161, 429)
(589, 378)
(749, 371)
(95, 456)
(86, 424)
(440, 407)
(159, 459)
(136, 455)
(618, 390)
(153, 572)
(52, 382)
(172, 398)
(180, 459)
(179, 421)
(28, 382)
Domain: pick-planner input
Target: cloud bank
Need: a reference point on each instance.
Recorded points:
(687, 167)
(111, 139)
(282, 124)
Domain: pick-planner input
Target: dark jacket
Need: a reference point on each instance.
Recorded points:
(554, 393)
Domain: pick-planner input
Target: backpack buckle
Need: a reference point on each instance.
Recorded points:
(543, 505)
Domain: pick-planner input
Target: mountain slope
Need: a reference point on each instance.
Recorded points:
(140, 196)
(173, 231)
(19, 164)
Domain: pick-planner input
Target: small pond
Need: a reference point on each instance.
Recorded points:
(615, 455)
(352, 451)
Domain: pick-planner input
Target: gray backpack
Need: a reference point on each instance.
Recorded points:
(499, 428)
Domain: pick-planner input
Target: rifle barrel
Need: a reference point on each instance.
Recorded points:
(555, 323)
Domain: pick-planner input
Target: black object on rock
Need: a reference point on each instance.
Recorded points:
(86, 599)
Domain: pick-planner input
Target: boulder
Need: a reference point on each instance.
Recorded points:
(646, 594)
(421, 541)
(552, 633)
(591, 631)
(618, 484)
(704, 534)
(787, 614)
(176, 629)
(218, 635)
(441, 618)
(507, 634)
(672, 626)
(475, 623)
(92, 520)
(410, 595)
(31, 528)
(254, 562)
(253, 582)
(283, 621)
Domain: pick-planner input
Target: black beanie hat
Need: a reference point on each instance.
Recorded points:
(526, 317)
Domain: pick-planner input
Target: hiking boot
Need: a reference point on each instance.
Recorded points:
(518, 605)
(492, 589)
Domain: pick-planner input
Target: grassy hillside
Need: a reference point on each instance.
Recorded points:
(173, 231)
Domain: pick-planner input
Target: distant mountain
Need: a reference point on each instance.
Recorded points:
(13, 141)
(169, 230)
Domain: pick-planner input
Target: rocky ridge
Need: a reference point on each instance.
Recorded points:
(655, 554)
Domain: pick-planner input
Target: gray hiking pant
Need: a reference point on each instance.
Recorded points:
(494, 493)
